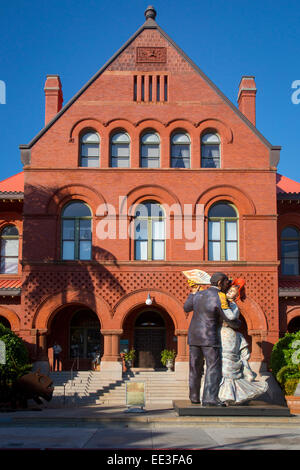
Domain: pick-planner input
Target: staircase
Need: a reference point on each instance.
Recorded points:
(89, 387)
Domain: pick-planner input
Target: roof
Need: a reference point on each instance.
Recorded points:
(14, 185)
(286, 185)
(150, 23)
(10, 287)
(10, 283)
(289, 287)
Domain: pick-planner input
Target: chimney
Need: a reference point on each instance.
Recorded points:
(246, 97)
(53, 97)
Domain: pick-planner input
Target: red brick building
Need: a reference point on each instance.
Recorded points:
(148, 132)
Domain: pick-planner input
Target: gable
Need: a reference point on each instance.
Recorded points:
(135, 57)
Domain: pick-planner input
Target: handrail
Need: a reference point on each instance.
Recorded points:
(72, 368)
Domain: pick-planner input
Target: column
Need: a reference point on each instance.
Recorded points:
(42, 360)
(182, 358)
(111, 362)
(257, 358)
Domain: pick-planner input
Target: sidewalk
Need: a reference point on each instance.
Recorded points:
(159, 414)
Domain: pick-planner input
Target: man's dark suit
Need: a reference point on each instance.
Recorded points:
(205, 343)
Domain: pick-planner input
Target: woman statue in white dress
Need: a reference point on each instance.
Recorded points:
(238, 383)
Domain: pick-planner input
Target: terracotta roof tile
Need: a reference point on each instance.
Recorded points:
(14, 183)
(286, 185)
(10, 283)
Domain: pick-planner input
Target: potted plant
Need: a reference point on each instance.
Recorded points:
(129, 358)
(167, 358)
(285, 365)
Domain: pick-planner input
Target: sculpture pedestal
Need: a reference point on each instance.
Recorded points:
(254, 408)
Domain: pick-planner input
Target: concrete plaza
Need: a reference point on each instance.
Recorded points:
(96, 427)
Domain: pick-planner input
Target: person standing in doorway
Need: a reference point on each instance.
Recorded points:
(56, 355)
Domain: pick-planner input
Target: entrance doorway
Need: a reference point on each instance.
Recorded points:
(85, 336)
(149, 339)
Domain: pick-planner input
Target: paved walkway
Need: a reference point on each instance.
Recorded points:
(98, 427)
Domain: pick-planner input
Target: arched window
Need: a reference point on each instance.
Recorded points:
(9, 250)
(222, 232)
(210, 151)
(150, 150)
(290, 251)
(76, 231)
(149, 231)
(180, 150)
(90, 150)
(120, 150)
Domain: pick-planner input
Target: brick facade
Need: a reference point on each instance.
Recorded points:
(113, 285)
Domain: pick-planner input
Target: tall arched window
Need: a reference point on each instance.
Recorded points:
(9, 250)
(290, 251)
(76, 231)
(210, 151)
(90, 150)
(149, 231)
(150, 150)
(180, 150)
(222, 232)
(120, 150)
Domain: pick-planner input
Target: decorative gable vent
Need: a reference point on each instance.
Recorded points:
(150, 88)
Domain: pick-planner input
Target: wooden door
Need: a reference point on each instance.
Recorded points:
(149, 342)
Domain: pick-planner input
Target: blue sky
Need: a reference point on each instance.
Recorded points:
(74, 38)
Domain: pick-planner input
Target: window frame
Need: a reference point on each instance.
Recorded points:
(9, 237)
(202, 145)
(150, 239)
(111, 144)
(172, 144)
(81, 145)
(158, 159)
(77, 239)
(289, 239)
(223, 240)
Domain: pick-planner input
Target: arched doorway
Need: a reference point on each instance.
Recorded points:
(294, 325)
(77, 330)
(85, 336)
(5, 322)
(149, 339)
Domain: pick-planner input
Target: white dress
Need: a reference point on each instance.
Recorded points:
(238, 383)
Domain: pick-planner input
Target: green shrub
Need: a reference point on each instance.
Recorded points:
(16, 364)
(286, 373)
(291, 385)
(282, 352)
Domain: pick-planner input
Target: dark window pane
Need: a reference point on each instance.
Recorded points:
(77, 209)
(290, 266)
(290, 232)
(10, 231)
(222, 210)
(290, 249)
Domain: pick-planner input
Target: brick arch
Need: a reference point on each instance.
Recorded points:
(290, 219)
(150, 191)
(16, 223)
(51, 304)
(150, 123)
(12, 317)
(292, 313)
(253, 315)
(184, 124)
(86, 123)
(71, 192)
(120, 123)
(238, 197)
(219, 126)
(161, 299)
